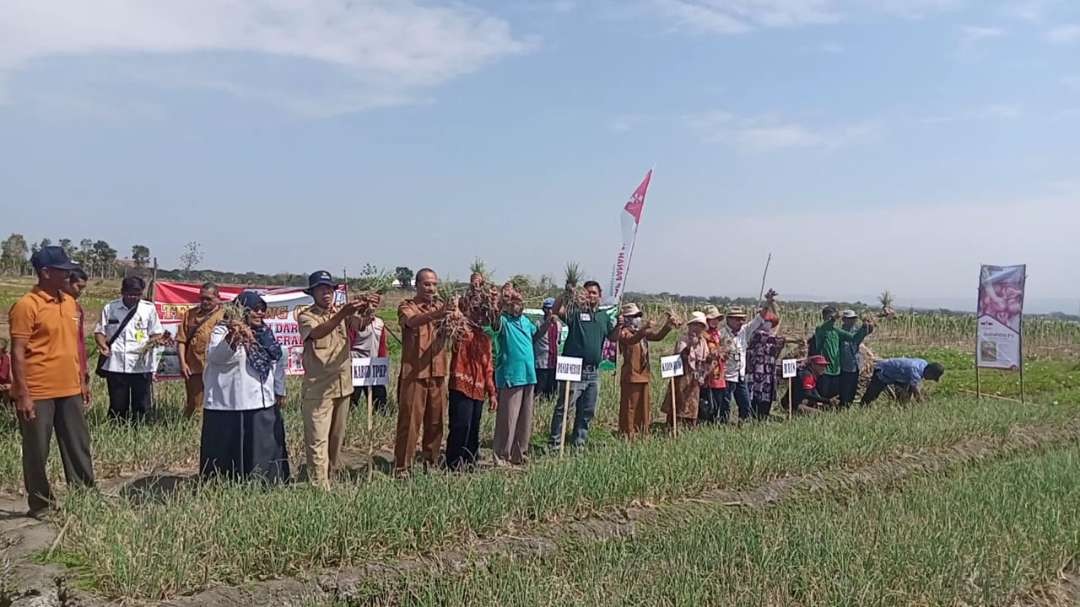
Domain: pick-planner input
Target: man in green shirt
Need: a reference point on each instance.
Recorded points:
(827, 340)
(588, 326)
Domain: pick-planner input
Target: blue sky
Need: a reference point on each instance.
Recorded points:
(867, 144)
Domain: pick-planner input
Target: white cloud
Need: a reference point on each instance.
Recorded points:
(997, 111)
(759, 134)
(738, 16)
(1033, 11)
(626, 122)
(383, 51)
(973, 34)
(1064, 34)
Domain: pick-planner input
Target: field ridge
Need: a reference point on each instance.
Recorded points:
(351, 583)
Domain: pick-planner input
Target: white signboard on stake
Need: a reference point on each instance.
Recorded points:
(370, 371)
(671, 366)
(568, 368)
(791, 367)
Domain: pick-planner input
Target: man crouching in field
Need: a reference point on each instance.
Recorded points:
(905, 375)
(422, 381)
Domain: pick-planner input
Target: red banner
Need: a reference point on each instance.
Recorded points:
(173, 299)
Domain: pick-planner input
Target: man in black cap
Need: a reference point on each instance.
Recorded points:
(327, 382)
(48, 385)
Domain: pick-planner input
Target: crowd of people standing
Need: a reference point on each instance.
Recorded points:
(456, 356)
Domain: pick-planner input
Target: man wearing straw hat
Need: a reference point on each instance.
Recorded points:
(737, 333)
(714, 389)
(633, 334)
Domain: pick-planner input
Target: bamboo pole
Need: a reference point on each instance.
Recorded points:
(761, 293)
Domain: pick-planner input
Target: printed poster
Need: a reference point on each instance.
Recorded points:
(1000, 317)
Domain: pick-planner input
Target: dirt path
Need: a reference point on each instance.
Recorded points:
(48, 585)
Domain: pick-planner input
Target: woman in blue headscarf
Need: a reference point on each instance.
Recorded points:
(243, 434)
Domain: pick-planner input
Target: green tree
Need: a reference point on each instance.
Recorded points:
(13, 254)
(68, 247)
(84, 256)
(140, 255)
(404, 275)
(104, 258)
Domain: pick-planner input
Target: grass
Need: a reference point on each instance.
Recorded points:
(125, 548)
(975, 535)
(200, 535)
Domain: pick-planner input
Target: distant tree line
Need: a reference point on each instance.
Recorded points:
(97, 257)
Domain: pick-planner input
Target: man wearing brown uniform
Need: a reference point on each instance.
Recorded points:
(327, 381)
(192, 339)
(422, 382)
(633, 335)
(48, 383)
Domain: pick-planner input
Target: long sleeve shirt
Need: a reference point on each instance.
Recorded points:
(230, 383)
(828, 337)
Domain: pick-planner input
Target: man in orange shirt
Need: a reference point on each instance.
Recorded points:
(48, 385)
(422, 382)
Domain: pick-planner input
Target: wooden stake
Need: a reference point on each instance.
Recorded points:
(566, 407)
(978, 384)
(371, 437)
(790, 407)
(1022, 400)
(674, 410)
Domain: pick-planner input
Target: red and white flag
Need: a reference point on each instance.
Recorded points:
(631, 218)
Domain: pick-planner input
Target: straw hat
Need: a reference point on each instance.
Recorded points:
(697, 317)
(736, 312)
(631, 309)
(712, 312)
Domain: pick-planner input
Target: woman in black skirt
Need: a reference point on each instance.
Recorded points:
(243, 434)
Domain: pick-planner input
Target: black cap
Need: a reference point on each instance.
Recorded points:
(52, 257)
(322, 277)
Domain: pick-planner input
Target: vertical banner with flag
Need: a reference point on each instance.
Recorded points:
(1000, 314)
(630, 219)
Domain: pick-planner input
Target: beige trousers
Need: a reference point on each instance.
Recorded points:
(324, 433)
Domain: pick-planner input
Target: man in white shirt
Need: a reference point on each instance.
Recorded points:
(737, 332)
(128, 349)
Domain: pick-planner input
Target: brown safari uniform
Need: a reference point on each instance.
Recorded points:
(327, 386)
(634, 398)
(421, 388)
(194, 333)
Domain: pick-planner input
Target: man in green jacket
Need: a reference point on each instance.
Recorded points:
(827, 340)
